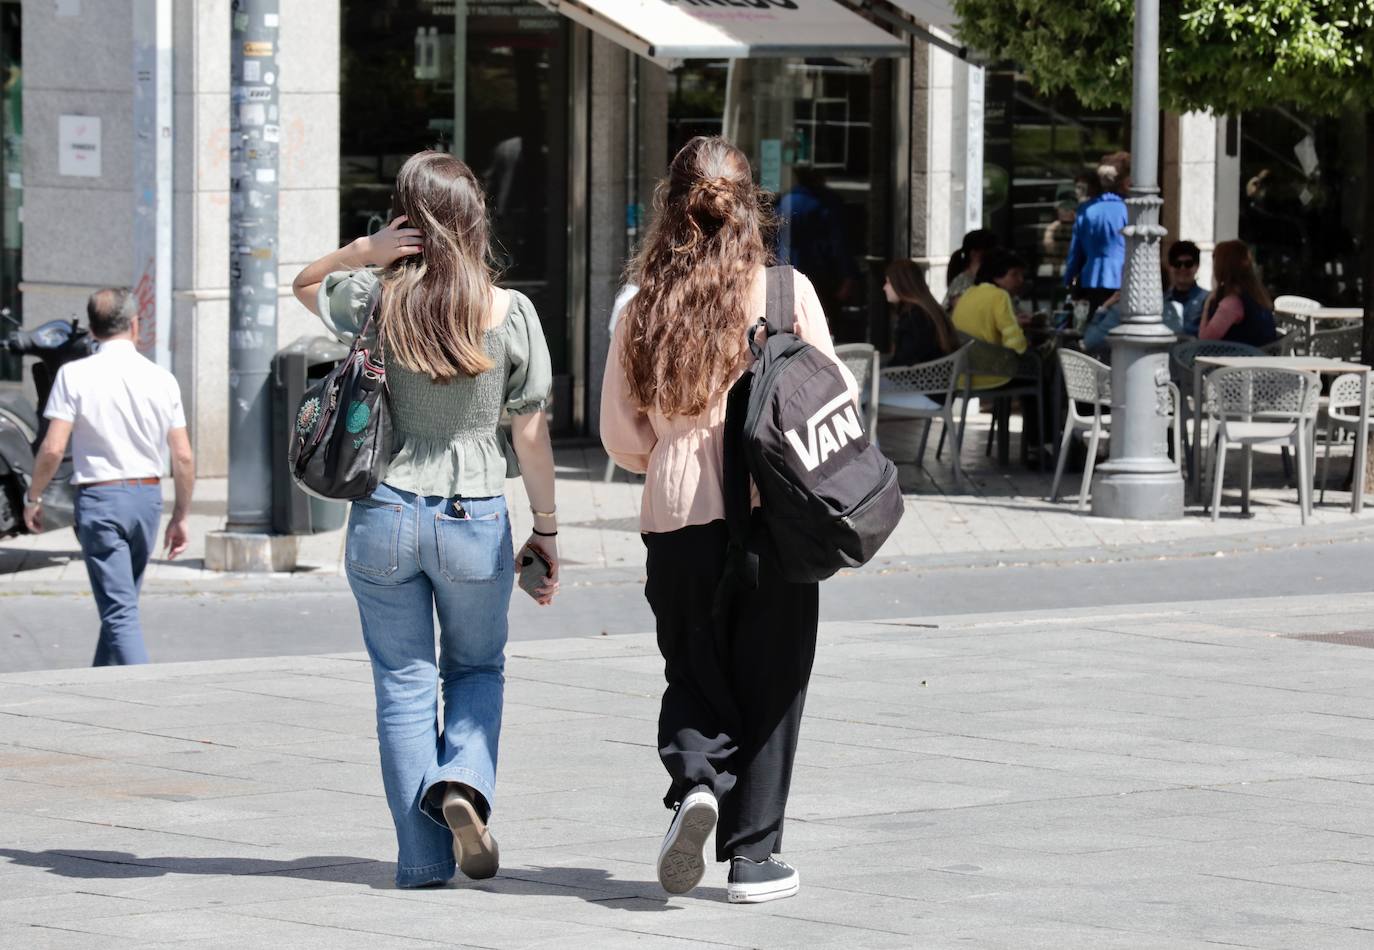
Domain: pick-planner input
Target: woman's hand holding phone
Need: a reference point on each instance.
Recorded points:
(536, 564)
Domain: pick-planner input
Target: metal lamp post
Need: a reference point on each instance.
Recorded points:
(1140, 481)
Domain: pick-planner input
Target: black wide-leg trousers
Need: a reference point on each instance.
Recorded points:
(736, 683)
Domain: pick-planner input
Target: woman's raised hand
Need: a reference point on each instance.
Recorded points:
(391, 243)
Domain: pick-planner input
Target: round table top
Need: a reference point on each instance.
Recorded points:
(1325, 313)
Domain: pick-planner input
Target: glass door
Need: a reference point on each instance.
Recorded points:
(486, 82)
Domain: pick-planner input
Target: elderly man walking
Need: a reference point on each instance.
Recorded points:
(120, 412)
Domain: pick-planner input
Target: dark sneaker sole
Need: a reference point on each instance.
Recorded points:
(473, 846)
(681, 864)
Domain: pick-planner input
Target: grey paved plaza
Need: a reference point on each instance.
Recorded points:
(1175, 776)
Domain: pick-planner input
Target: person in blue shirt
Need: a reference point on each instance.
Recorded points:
(811, 237)
(1184, 299)
(1097, 249)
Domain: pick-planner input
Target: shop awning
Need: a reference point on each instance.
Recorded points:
(933, 13)
(669, 31)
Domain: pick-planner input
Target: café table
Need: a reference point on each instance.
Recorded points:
(1308, 364)
(1320, 314)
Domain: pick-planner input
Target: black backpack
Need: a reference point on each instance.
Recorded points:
(829, 497)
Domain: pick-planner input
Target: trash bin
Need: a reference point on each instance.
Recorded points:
(294, 368)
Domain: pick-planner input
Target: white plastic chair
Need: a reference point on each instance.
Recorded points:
(1089, 381)
(1292, 303)
(1290, 310)
(942, 377)
(1249, 406)
(1342, 416)
(861, 359)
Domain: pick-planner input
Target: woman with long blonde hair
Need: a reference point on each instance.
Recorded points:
(737, 674)
(1239, 309)
(436, 536)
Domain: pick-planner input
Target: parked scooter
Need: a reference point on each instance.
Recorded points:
(22, 425)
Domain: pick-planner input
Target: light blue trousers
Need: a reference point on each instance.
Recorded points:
(409, 557)
(117, 528)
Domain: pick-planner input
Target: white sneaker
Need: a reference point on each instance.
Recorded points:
(681, 860)
(754, 882)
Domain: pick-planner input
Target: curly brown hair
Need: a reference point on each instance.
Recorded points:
(685, 328)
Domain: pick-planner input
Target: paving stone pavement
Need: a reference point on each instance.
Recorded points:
(1179, 776)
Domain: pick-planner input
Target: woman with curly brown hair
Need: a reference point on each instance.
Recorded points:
(736, 679)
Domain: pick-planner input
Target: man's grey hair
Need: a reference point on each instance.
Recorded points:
(111, 312)
(1108, 176)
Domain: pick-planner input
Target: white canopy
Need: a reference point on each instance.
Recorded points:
(673, 30)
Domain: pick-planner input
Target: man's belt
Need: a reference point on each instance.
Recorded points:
(121, 481)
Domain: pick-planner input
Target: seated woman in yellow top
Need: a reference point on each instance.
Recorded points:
(985, 310)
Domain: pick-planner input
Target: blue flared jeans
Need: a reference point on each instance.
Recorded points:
(408, 558)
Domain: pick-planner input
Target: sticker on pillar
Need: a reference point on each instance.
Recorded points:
(269, 280)
(271, 133)
(252, 113)
(266, 175)
(257, 48)
(270, 20)
(252, 70)
(240, 22)
(267, 314)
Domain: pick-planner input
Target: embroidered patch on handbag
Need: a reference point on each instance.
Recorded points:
(309, 412)
(358, 414)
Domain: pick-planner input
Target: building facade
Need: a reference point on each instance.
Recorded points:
(878, 138)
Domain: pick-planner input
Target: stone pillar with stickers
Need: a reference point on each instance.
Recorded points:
(254, 138)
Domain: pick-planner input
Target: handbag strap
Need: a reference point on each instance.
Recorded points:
(372, 324)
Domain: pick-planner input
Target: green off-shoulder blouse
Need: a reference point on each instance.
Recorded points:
(448, 437)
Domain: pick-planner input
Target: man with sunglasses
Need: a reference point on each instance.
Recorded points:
(1183, 302)
(1184, 299)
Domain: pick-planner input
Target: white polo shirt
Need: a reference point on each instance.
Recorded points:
(121, 405)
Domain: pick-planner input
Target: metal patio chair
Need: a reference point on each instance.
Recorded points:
(1249, 406)
(861, 359)
(945, 377)
(1342, 416)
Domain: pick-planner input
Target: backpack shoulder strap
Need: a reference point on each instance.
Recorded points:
(780, 306)
(741, 567)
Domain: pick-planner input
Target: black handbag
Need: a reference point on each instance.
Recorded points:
(341, 440)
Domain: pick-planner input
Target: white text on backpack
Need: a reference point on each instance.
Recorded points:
(827, 432)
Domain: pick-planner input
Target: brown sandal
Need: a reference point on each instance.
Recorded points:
(473, 846)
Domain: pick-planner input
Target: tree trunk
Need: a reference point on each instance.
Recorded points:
(1367, 270)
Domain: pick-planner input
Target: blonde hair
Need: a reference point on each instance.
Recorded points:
(435, 304)
(686, 325)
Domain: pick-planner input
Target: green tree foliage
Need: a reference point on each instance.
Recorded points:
(1224, 55)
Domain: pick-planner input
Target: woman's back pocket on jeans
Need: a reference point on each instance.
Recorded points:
(470, 548)
(374, 536)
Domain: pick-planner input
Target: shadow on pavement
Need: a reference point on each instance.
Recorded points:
(589, 884)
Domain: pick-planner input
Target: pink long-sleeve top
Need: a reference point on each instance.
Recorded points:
(681, 456)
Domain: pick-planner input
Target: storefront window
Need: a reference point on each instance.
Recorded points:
(806, 126)
(1301, 202)
(485, 80)
(1034, 147)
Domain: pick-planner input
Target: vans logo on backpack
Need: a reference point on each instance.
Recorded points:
(827, 432)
